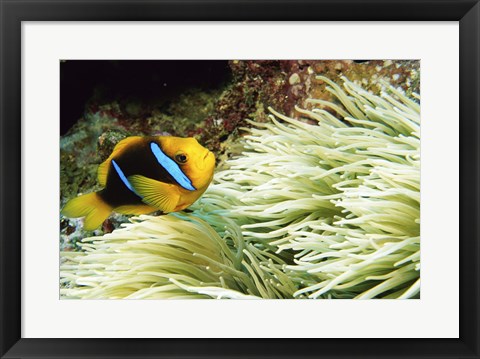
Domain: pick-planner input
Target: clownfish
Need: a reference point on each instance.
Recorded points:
(146, 174)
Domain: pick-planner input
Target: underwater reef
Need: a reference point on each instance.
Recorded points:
(323, 205)
(144, 98)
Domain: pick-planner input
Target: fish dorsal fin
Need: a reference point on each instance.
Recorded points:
(163, 196)
(102, 172)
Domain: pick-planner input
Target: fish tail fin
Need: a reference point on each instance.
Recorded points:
(91, 206)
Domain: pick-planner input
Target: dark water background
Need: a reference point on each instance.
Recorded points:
(109, 80)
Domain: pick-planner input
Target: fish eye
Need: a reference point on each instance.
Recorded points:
(181, 158)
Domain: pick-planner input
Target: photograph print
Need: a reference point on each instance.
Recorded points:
(239, 179)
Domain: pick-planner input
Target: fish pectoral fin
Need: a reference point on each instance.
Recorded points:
(102, 171)
(160, 195)
(135, 209)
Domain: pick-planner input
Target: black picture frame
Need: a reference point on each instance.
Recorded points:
(13, 12)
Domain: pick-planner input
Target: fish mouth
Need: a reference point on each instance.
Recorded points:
(202, 164)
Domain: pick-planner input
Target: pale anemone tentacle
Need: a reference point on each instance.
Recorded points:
(324, 210)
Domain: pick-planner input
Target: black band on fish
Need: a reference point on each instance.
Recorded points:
(122, 176)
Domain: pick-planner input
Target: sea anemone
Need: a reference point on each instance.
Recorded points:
(324, 206)
(174, 256)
